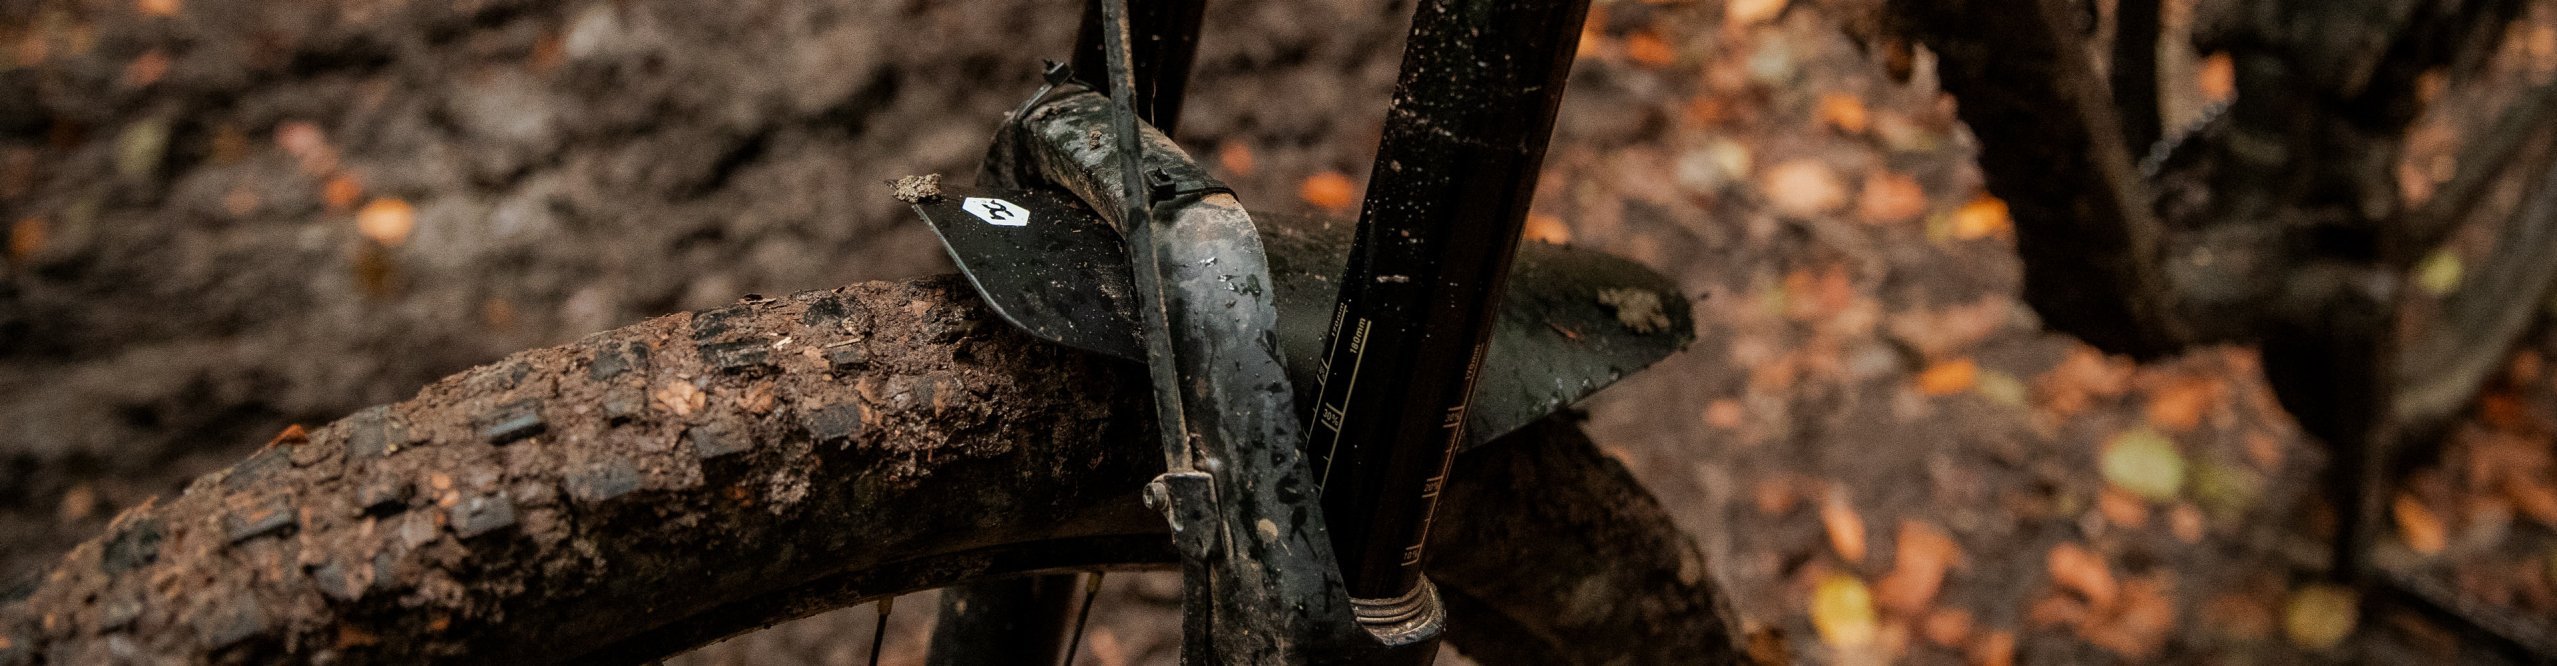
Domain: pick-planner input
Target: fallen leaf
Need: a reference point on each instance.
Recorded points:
(2138, 627)
(1774, 496)
(2178, 406)
(387, 221)
(341, 192)
(146, 69)
(2121, 508)
(1981, 218)
(1803, 188)
(2218, 78)
(1725, 413)
(2535, 499)
(1918, 565)
(2419, 526)
(1649, 50)
(27, 237)
(2004, 389)
(2185, 520)
(159, 7)
(1994, 648)
(1947, 331)
(1744, 13)
(2146, 463)
(1890, 197)
(1948, 627)
(1329, 191)
(1845, 528)
(2244, 615)
(2264, 450)
(1547, 228)
(1236, 158)
(2525, 367)
(2320, 616)
(1844, 111)
(2439, 274)
(1842, 612)
(1949, 377)
(2079, 570)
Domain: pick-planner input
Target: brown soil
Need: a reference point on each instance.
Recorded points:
(186, 275)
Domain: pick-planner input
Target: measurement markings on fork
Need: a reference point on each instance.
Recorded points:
(1332, 415)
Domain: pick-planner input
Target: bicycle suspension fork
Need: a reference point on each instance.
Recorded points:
(1473, 110)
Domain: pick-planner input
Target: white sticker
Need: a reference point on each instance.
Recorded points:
(996, 211)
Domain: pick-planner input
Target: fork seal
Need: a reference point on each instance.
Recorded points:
(1415, 616)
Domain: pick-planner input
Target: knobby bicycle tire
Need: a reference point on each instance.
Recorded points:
(659, 486)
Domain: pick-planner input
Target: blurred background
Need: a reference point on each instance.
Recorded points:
(226, 216)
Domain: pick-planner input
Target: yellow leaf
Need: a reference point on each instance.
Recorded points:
(2440, 273)
(2145, 463)
(1842, 611)
(2320, 616)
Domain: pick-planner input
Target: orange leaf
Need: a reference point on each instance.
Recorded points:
(1649, 50)
(387, 221)
(2178, 406)
(1846, 529)
(146, 69)
(1890, 197)
(340, 192)
(1983, 217)
(2121, 508)
(1236, 158)
(2535, 499)
(1774, 496)
(1547, 228)
(2079, 570)
(1949, 377)
(1329, 191)
(1994, 648)
(2422, 530)
(2218, 78)
(1918, 565)
(1844, 111)
(1725, 413)
(2186, 522)
(26, 237)
(1949, 627)
(2138, 628)
(159, 7)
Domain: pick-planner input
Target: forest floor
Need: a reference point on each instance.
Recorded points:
(226, 216)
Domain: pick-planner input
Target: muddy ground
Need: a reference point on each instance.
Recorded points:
(226, 216)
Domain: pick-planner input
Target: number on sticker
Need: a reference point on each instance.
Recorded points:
(997, 211)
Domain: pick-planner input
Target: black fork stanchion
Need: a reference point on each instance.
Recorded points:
(1464, 137)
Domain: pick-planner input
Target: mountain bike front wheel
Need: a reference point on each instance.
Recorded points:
(657, 487)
